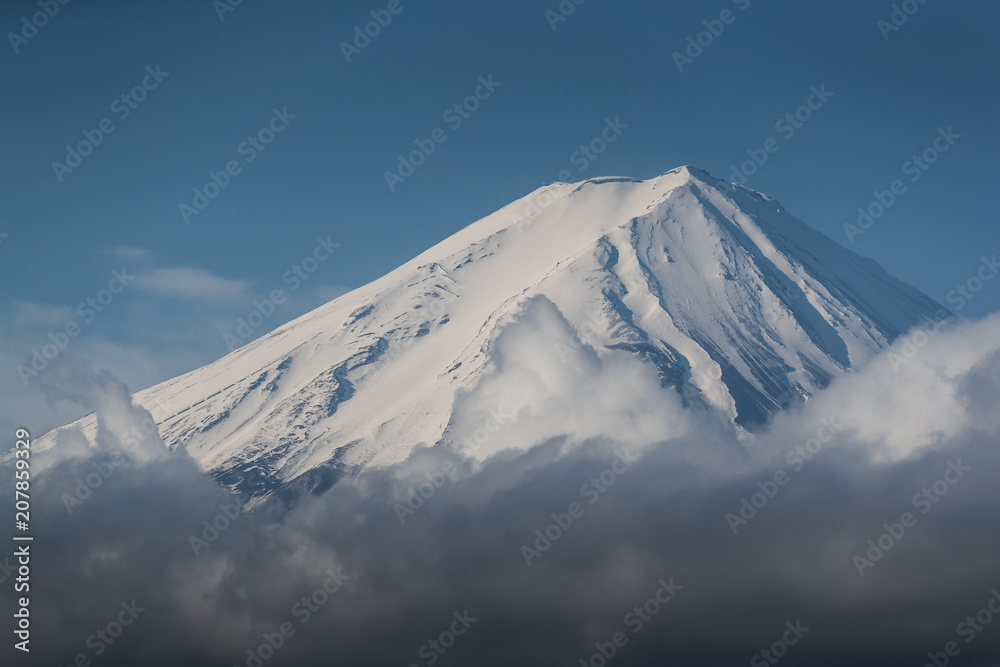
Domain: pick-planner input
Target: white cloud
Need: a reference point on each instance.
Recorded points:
(550, 388)
(911, 397)
(28, 314)
(188, 283)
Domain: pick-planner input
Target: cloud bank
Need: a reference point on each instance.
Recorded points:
(611, 526)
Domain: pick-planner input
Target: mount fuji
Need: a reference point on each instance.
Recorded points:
(730, 301)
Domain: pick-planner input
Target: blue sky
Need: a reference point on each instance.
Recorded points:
(323, 176)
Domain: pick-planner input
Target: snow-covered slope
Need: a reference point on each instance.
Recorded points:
(739, 306)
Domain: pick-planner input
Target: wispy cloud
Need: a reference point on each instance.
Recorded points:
(192, 283)
(28, 314)
(127, 252)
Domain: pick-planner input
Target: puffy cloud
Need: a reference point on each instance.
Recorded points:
(546, 383)
(913, 396)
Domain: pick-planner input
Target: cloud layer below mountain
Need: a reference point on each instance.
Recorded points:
(867, 516)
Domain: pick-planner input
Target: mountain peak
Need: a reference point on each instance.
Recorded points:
(691, 172)
(726, 298)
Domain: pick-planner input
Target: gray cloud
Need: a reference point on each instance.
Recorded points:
(663, 517)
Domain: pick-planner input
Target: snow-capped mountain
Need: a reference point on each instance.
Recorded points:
(735, 303)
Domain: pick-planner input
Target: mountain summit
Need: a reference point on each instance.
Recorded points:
(737, 305)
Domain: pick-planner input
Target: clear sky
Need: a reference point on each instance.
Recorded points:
(553, 83)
